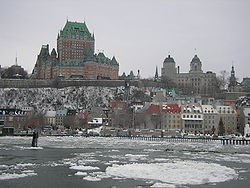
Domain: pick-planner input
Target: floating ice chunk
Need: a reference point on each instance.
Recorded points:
(3, 166)
(84, 168)
(91, 178)
(91, 160)
(178, 172)
(81, 173)
(161, 160)
(23, 165)
(8, 176)
(114, 161)
(136, 157)
(101, 175)
(30, 148)
(163, 185)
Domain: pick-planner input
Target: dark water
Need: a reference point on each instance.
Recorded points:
(49, 165)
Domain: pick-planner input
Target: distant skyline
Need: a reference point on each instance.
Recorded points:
(139, 33)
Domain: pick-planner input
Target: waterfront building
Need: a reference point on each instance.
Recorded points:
(50, 117)
(229, 117)
(192, 118)
(14, 118)
(75, 57)
(244, 116)
(171, 118)
(194, 82)
(210, 119)
(60, 117)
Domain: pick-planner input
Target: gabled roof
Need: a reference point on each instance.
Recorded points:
(171, 108)
(153, 109)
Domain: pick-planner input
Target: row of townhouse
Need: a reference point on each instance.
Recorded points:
(188, 117)
(58, 118)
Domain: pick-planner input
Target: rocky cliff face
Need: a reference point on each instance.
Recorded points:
(43, 99)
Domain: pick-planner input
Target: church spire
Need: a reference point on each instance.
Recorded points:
(16, 60)
(156, 74)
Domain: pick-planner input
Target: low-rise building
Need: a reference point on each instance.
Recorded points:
(60, 117)
(229, 118)
(50, 117)
(171, 117)
(192, 118)
(14, 118)
(210, 119)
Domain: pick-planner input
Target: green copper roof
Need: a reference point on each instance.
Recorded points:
(44, 52)
(169, 60)
(113, 61)
(76, 28)
(195, 59)
(53, 52)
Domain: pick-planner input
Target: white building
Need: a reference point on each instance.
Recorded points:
(192, 118)
(50, 117)
(247, 130)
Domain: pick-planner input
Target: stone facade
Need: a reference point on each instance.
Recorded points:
(75, 58)
(194, 82)
(229, 117)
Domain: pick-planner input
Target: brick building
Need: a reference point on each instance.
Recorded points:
(75, 57)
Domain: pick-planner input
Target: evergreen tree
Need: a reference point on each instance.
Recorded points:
(221, 128)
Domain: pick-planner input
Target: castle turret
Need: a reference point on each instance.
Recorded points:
(53, 53)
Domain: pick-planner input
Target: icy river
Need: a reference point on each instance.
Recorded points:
(97, 162)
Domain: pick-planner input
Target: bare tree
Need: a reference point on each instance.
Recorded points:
(222, 79)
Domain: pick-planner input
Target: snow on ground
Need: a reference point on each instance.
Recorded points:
(43, 99)
(177, 172)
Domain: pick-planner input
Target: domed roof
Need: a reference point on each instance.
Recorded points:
(169, 59)
(196, 59)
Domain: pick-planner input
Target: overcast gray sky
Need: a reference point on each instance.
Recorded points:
(139, 33)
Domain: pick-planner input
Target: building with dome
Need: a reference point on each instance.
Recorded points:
(194, 82)
(75, 57)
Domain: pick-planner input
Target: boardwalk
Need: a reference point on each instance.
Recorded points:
(204, 140)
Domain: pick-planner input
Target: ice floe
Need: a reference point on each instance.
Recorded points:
(29, 148)
(92, 178)
(81, 173)
(163, 185)
(132, 157)
(84, 168)
(176, 172)
(8, 176)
